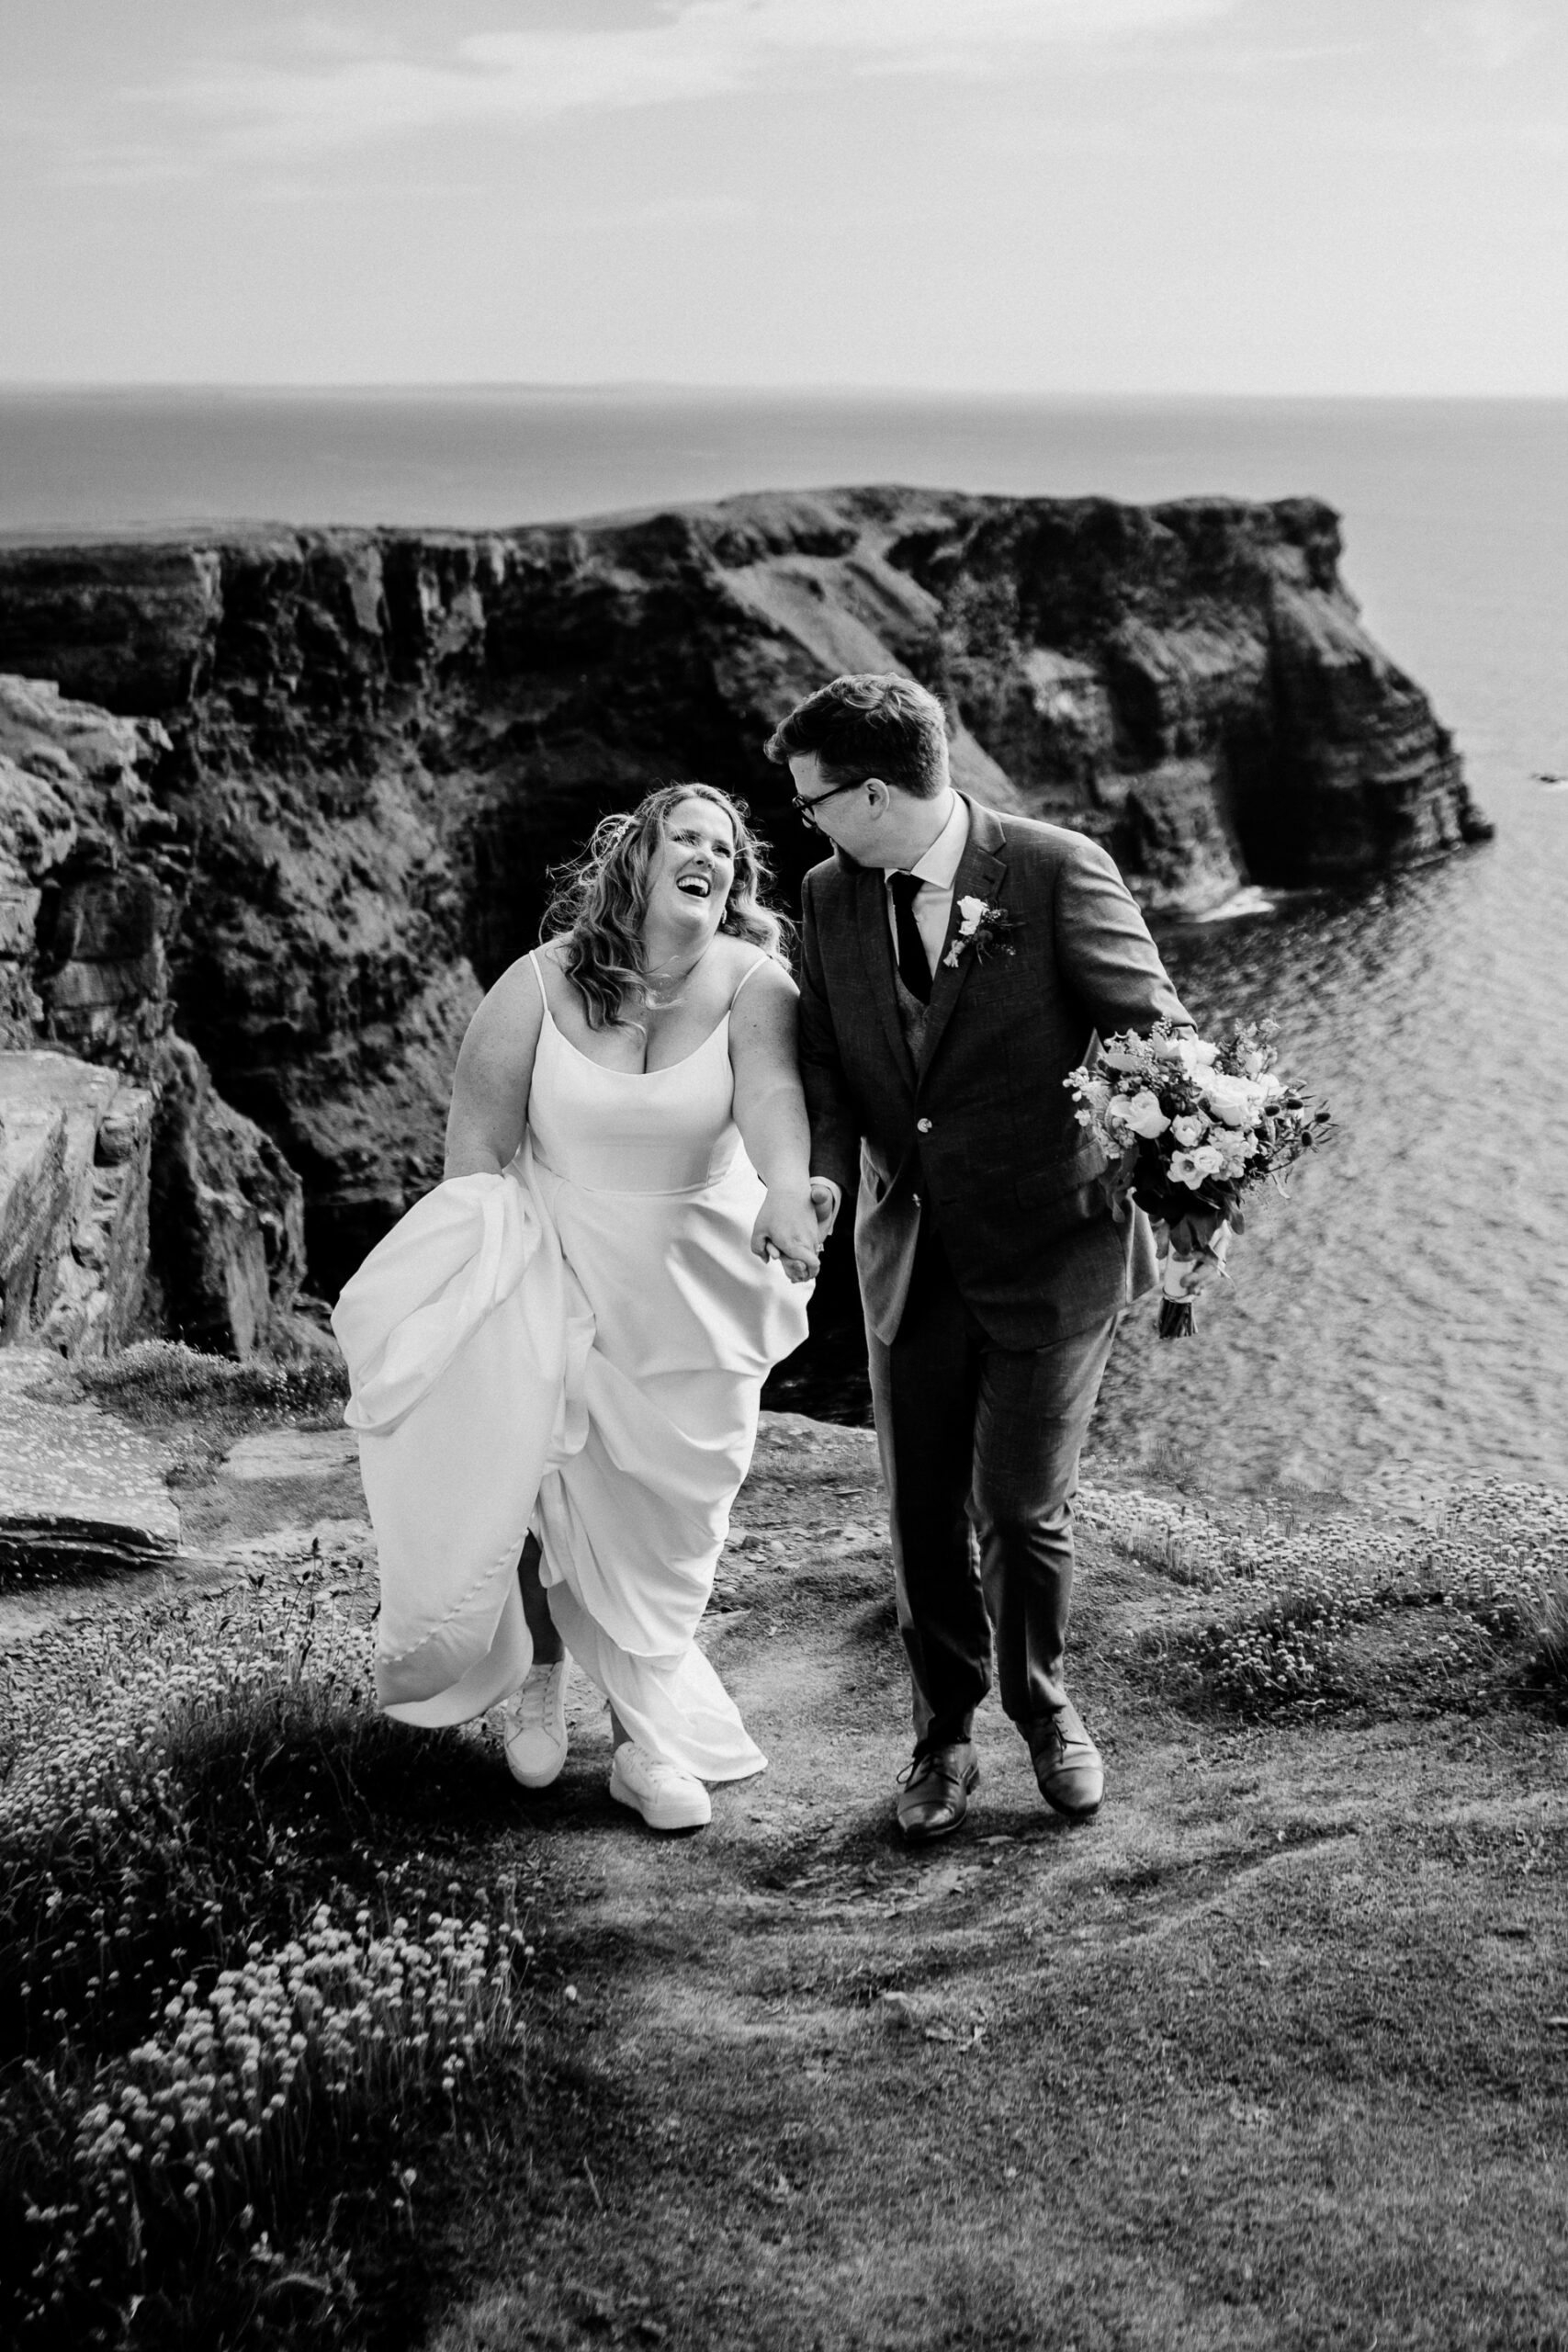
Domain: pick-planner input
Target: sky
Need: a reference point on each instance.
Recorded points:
(1295, 197)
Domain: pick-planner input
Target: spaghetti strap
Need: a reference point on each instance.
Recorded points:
(533, 955)
(746, 976)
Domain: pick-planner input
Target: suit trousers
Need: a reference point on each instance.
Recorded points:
(979, 1449)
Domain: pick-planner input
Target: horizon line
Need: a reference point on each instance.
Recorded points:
(673, 386)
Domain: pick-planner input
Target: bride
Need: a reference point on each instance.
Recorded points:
(556, 1357)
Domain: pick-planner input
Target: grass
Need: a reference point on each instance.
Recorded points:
(314, 2030)
(218, 2006)
(1264, 2057)
(202, 1402)
(154, 1375)
(194, 2151)
(1347, 1607)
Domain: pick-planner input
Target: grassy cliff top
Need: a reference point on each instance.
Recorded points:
(1269, 2053)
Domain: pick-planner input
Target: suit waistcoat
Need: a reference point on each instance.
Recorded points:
(912, 1014)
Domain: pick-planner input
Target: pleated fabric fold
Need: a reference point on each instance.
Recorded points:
(454, 1332)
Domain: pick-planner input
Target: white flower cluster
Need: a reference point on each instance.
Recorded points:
(200, 2136)
(1143, 1087)
(1287, 1597)
(144, 1672)
(210, 2115)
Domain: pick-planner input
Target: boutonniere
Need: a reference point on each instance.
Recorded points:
(982, 927)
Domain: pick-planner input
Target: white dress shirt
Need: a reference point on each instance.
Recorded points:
(937, 872)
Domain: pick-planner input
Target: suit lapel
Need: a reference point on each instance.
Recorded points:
(981, 873)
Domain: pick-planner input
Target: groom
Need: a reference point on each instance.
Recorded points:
(957, 964)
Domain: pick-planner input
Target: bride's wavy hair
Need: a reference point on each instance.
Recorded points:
(601, 897)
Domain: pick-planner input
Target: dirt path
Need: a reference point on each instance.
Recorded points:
(1270, 2055)
(1263, 2057)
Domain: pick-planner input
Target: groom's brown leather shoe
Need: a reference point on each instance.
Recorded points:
(935, 1794)
(1067, 1764)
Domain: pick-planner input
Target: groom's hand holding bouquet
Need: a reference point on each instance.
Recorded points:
(1190, 1128)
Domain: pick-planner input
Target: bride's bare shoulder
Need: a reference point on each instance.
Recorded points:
(756, 980)
(545, 966)
(513, 998)
(733, 958)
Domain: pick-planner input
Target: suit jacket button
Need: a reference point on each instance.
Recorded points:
(922, 1126)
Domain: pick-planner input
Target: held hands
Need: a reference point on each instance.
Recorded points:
(786, 1228)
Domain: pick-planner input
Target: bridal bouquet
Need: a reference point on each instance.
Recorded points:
(1194, 1127)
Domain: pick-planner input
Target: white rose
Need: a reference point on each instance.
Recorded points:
(1236, 1100)
(969, 913)
(1194, 1053)
(1144, 1114)
(1208, 1160)
(1189, 1129)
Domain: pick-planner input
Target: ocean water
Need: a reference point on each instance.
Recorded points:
(1405, 1310)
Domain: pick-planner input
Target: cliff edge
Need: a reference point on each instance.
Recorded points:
(357, 754)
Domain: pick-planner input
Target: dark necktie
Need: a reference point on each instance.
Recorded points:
(913, 969)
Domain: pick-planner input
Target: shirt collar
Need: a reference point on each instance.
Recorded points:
(940, 862)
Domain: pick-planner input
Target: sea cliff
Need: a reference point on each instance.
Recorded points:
(294, 797)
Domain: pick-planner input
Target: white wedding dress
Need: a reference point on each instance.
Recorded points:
(576, 1346)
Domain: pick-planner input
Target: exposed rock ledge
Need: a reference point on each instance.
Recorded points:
(356, 752)
(130, 1192)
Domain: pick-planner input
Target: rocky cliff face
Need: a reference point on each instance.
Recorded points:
(76, 1164)
(127, 1190)
(374, 744)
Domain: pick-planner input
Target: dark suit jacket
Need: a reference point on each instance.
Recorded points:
(981, 1131)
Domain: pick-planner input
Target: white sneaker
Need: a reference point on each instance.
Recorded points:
(533, 1725)
(666, 1797)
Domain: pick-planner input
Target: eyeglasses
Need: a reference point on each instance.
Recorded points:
(803, 808)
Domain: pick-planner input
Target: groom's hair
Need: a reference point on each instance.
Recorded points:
(868, 726)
